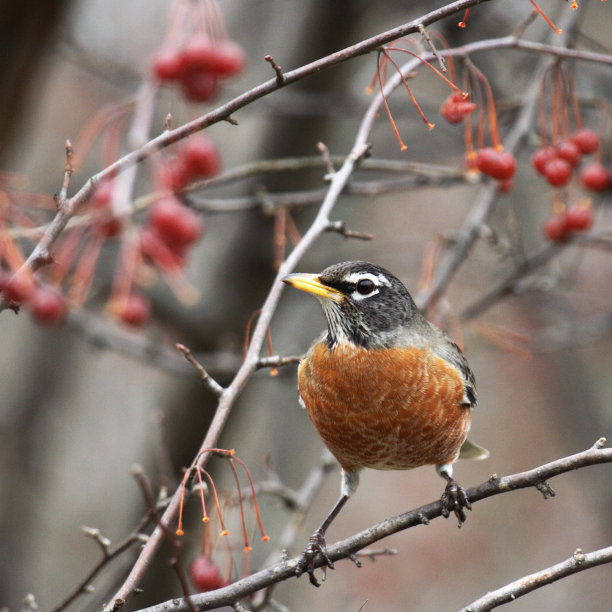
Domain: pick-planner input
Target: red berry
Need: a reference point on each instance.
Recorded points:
(167, 65)
(497, 164)
(201, 157)
(541, 157)
(102, 194)
(48, 306)
(199, 85)
(595, 176)
(198, 53)
(109, 228)
(558, 172)
(569, 151)
(455, 108)
(177, 225)
(505, 186)
(205, 574)
(578, 218)
(555, 229)
(174, 174)
(158, 252)
(228, 59)
(135, 310)
(587, 140)
(19, 288)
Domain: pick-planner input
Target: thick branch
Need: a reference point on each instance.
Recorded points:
(344, 548)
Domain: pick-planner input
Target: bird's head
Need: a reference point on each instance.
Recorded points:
(364, 304)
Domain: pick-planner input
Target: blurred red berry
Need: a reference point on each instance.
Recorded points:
(558, 172)
(19, 288)
(497, 164)
(541, 157)
(201, 157)
(199, 85)
(455, 108)
(198, 53)
(135, 310)
(174, 174)
(110, 228)
(159, 253)
(578, 218)
(228, 59)
(555, 229)
(505, 186)
(205, 574)
(569, 151)
(48, 306)
(595, 176)
(177, 224)
(167, 65)
(102, 194)
(587, 140)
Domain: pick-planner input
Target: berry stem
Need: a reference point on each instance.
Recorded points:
(548, 21)
(490, 107)
(403, 147)
(405, 82)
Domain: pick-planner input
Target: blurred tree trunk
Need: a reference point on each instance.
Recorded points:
(25, 31)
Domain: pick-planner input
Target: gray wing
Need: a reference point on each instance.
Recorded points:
(448, 350)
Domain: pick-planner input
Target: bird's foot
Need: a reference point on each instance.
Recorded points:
(455, 499)
(316, 546)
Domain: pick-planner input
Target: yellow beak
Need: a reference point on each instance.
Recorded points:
(311, 284)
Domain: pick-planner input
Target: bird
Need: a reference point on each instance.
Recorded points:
(384, 387)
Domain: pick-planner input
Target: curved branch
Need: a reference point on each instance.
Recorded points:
(578, 562)
(535, 477)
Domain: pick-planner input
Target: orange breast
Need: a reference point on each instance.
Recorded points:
(387, 409)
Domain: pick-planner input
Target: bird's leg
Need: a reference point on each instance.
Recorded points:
(454, 499)
(316, 545)
(316, 542)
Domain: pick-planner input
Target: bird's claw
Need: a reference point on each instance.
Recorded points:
(455, 499)
(316, 546)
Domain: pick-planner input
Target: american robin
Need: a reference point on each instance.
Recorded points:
(384, 387)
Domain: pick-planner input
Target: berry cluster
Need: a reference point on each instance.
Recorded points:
(557, 163)
(577, 218)
(499, 165)
(198, 66)
(172, 227)
(46, 305)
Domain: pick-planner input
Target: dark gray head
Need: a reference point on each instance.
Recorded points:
(363, 303)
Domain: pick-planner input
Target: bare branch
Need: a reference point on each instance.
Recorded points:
(207, 381)
(578, 562)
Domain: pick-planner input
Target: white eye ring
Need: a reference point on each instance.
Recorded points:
(375, 280)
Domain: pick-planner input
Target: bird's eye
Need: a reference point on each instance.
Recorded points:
(365, 286)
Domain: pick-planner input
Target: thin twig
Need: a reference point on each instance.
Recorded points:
(83, 586)
(280, 77)
(276, 361)
(425, 35)
(340, 228)
(326, 157)
(578, 562)
(209, 382)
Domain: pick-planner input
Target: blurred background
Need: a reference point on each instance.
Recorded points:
(80, 404)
